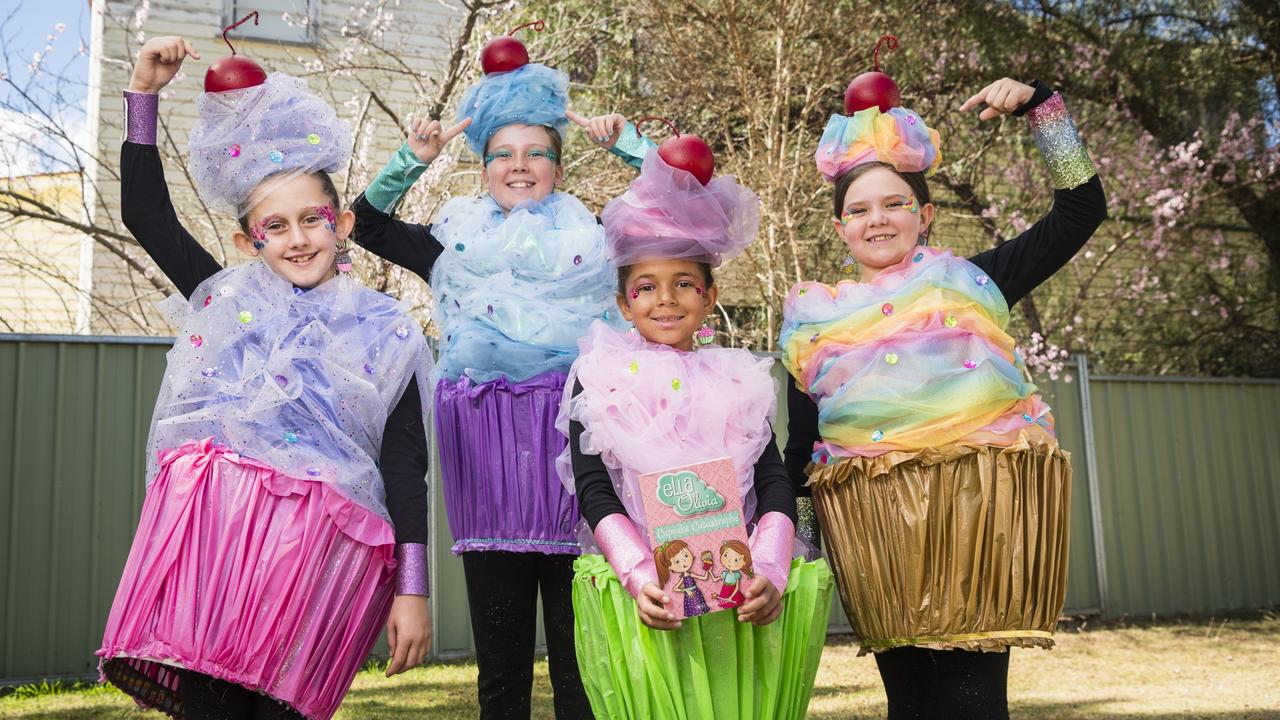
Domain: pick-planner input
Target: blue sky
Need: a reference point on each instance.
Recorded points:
(25, 31)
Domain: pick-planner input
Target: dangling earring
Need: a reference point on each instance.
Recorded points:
(343, 258)
(849, 263)
(706, 334)
(923, 240)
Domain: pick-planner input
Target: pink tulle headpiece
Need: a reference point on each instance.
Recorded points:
(666, 213)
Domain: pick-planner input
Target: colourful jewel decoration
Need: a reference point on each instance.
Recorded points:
(918, 257)
(276, 156)
(402, 332)
(282, 381)
(982, 280)
(209, 372)
(891, 358)
(606, 315)
(368, 369)
(802, 291)
(245, 316)
(313, 471)
(459, 247)
(1027, 417)
(234, 151)
(634, 367)
(208, 299)
(675, 384)
(196, 340)
(314, 139)
(577, 259)
(877, 436)
(969, 364)
(489, 309)
(813, 338)
(290, 437)
(951, 321)
(887, 308)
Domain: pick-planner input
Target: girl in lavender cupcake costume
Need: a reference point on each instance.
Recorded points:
(286, 504)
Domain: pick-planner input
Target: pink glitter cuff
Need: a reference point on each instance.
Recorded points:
(411, 570)
(771, 548)
(140, 113)
(626, 552)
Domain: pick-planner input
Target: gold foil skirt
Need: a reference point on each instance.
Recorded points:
(959, 547)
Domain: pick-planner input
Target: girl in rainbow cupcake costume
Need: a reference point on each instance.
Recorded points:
(518, 275)
(286, 502)
(937, 480)
(645, 400)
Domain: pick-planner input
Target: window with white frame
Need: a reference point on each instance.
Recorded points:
(290, 21)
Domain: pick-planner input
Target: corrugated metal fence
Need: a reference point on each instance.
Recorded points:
(1176, 505)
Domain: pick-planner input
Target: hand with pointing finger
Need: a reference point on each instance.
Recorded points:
(604, 130)
(159, 61)
(428, 138)
(1002, 97)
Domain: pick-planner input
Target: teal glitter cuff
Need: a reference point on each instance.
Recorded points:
(1064, 153)
(632, 146)
(389, 188)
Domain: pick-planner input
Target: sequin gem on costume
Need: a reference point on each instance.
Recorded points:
(891, 358)
(951, 321)
(969, 364)
(634, 367)
(245, 316)
(209, 372)
(982, 280)
(196, 340)
(313, 138)
(234, 151)
(918, 257)
(459, 247)
(877, 436)
(577, 259)
(887, 309)
(313, 471)
(282, 381)
(291, 437)
(276, 156)
(207, 299)
(675, 384)
(402, 332)
(368, 369)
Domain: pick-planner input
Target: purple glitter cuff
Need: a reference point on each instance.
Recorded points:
(140, 114)
(771, 548)
(1064, 153)
(411, 570)
(621, 545)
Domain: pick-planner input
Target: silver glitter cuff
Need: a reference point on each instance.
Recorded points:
(1064, 153)
(140, 115)
(411, 570)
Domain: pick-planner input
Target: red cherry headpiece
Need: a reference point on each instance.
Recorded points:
(234, 72)
(685, 152)
(505, 53)
(873, 88)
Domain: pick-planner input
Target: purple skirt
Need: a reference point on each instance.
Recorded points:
(498, 447)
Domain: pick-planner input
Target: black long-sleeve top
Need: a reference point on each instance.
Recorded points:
(409, 245)
(598, 499)
(1017, 267)
(149, 214)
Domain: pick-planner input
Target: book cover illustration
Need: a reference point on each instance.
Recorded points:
(698, 536)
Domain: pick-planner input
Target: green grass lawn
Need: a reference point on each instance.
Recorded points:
(1205, 668)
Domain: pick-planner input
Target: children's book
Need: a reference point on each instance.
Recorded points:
(698, 536)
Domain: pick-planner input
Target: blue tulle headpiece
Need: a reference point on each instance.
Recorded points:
(532, 94)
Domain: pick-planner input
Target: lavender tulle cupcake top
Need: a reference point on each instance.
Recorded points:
(302, 381)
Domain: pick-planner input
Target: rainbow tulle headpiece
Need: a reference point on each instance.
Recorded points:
(898, 137)
(875, 127)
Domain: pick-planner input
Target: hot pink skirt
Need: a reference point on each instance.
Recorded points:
(251, 576)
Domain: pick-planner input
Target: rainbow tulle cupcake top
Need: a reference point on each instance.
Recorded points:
(918, 358)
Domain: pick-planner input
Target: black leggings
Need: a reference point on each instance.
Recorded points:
(208, 698)
(925, 684)
(502, 591)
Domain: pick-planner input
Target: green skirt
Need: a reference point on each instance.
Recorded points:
(713, 667)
